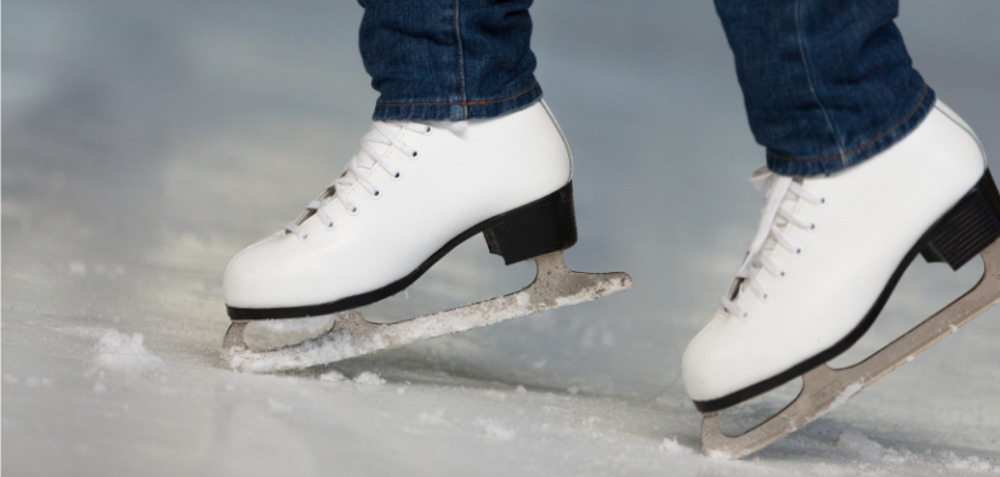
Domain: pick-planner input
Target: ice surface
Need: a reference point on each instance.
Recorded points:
(145, 143)
(434, 418)
(495, 431)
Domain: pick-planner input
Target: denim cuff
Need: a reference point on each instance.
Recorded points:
(457, 110)
(807, 167)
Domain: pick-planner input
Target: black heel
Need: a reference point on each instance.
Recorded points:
(967, 228)
(544, 226)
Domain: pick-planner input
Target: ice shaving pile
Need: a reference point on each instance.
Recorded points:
(125, 353)
(671, 445)
(364, 378)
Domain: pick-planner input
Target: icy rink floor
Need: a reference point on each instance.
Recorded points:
(144, 145)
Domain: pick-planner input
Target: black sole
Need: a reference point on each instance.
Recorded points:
(544, 226)
(965, 230)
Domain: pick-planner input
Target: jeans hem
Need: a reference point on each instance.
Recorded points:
(456, 110)
(796, 167)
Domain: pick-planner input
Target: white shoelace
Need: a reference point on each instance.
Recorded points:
(770, 234)
(381, 133)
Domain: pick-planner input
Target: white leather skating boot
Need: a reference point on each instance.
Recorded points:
(829, 251)
(414, 192)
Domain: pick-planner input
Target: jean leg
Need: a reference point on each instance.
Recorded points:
(439, 60)
(826, 83)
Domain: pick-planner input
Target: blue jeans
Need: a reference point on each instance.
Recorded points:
(448, 59)
(826, 83)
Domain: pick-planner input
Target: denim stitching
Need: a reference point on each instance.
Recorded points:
(920, 102)
(812, 89)
(461, 65)
(467, 103)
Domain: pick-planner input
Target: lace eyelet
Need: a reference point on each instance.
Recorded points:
(765, 297)
(304, 237)
(428, 131)
(745, 315)
(782, 274)
(812, 227)
(330, 225)
(376, 195)
(798, 251)
(822, 201)
(353, 211)
(397, 176)
(414, 155)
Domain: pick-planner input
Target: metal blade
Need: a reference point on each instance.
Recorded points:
(555, 286)
(825, 388)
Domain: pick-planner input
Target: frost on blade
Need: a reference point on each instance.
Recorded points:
(844, 395)
(355, 336)
(328, 348)
(125, 353)
(308, 325)
(841, 398)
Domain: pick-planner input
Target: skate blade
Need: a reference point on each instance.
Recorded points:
(825, 388)
(555, 286)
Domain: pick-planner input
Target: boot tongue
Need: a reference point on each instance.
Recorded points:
(378, 142)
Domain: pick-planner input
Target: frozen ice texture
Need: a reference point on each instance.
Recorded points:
(495, 431)
(146, 143)
(432, 418)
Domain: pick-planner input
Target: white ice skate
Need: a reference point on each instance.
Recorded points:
(827, 255)
(414, 192)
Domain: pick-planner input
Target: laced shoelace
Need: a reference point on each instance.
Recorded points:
(770, 234)
(382, 133)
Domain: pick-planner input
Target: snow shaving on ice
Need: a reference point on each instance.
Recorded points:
(365, 378)
(125, 353)
(369, 379)
(671, 445)
(332, 375)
